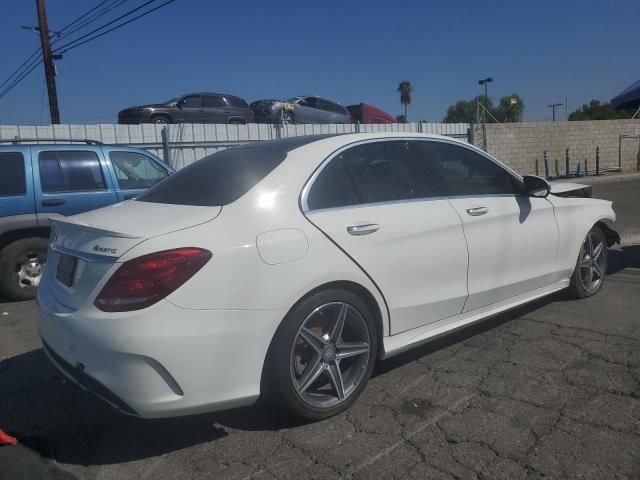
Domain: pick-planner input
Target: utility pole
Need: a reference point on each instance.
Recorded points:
(49, 70)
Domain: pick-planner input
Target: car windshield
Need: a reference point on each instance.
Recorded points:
(294, 99)
(173, 100)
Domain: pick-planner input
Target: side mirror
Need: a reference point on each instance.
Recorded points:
(536, 186)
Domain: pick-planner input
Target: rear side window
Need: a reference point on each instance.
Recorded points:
(332, 188)
(388, 171)
(135, 170)
(237, 102)
(72, 171)
(218, 179)
(213, 101)
(12, 175)
(465, 172)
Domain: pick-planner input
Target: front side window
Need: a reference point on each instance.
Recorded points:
(332, 188)
(192, 101)
(12, 175)
(237, 102)
(465, 172)
(135, 170)
(326, 105)
(388, 171)
(310, 102)
(72, 171)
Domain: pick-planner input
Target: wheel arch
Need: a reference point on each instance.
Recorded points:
(11, 236)
(348, 285)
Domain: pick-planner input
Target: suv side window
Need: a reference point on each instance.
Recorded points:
(388, 171)
(13, 181)
(192, 101)
(71, 171)
(465, 172)
(340, 109)
(214, 101)
(326, 105)
(332, 188)
(135, 170)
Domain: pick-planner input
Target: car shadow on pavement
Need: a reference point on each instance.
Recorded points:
(623, 257)
(58, 420)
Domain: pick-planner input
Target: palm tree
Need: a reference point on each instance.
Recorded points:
(405, 90)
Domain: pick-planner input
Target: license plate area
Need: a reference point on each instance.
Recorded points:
(66, 269)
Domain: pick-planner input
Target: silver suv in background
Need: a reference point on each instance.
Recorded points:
(306, 109)
(191, 108)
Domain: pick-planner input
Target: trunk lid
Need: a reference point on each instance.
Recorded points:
(95, 240)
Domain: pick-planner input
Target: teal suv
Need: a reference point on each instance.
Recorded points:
(43, 181)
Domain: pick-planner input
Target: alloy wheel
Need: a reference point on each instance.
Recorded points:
(592, 262)
(29, 270)
(330, 354)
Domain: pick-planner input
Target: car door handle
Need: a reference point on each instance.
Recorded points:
(363, 229)
(53, 202)
(477, 211)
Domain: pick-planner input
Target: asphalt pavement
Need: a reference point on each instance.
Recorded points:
(550, 390)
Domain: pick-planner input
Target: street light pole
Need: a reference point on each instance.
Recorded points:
(553, 109)
(49, 71)
(484, 82)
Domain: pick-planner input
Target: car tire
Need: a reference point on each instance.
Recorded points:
(285, 117)
(21, 264)
(591, 266)
(303, 376)
(161, 120)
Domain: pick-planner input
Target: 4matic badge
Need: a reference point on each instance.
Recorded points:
(98, 248)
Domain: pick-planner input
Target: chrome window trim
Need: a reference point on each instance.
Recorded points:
(309, 184)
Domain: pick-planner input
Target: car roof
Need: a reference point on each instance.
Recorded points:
(210, 93)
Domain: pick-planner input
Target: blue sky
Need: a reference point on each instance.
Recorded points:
(348, 51)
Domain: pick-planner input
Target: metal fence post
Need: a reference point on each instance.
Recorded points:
(597, 161)
(566, 161)
(586, 166)
(557, 171)
(166, 153)
(546, 164)
(537, 170)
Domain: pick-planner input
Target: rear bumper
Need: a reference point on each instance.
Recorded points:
(162, 361)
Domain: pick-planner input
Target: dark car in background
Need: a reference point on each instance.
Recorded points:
(363, 113)
(191, 108)
(305, 109)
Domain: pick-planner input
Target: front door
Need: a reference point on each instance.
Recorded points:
(377, 203)
(512, 238)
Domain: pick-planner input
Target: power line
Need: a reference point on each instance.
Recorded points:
(84, 15)
(62, 47)
(32, 66)
(90, 20)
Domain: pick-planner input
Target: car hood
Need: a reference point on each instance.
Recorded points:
(571, 189)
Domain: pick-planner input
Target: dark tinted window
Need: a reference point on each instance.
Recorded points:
(237, 102)
(388, 171)
(12, 175)
(332, 188)
(192, 101)
(71, 171)
(325, 105)
(218, 179)
(309, 102)
(340, 109)
(214, 101)
(465, 172)
(135, 170)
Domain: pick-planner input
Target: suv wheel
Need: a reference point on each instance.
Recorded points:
(21, 264)
(160, 120)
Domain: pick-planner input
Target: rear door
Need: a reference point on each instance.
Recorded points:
(326, 111)
(378, 203)
(216, 109)
(70, 180)
(133, 172)
(16, 185)
(512, 238)
(306, 111)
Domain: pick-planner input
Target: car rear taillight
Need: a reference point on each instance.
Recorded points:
(145, 280)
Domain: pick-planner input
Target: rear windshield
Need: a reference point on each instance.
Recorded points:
(218, 179)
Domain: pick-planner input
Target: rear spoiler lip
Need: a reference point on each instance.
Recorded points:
(103, 231)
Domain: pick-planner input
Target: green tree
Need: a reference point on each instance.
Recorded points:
(509, 109)
(405, 90)
(599, 111)
(401, 119)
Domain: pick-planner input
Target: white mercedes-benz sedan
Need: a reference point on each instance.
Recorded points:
(289, 267)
